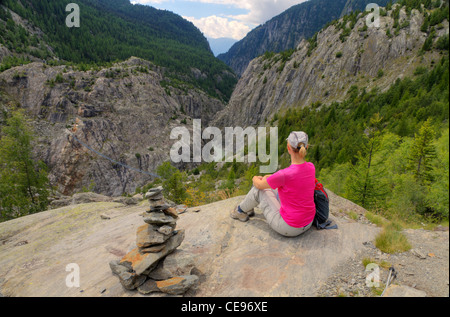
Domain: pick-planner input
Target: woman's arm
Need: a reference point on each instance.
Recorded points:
(261, 182)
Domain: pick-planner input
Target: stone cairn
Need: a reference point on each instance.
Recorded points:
(154, 264)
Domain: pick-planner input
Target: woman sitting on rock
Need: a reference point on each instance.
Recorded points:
(286, 197)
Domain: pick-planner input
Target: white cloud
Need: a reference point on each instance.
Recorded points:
(261, 11)
(217, 27)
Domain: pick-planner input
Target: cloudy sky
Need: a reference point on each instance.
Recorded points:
(224, 18)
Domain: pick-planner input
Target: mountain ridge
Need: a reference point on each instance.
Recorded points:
(221, 45)
(286, 30)
(324, 68)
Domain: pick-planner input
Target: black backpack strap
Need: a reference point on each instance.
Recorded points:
(326, 225)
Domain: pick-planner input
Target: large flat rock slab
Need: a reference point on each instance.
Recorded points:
(233, 258)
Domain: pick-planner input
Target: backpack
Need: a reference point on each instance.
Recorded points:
(322, 208)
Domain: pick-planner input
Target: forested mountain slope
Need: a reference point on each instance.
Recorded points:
(114, 30)
(58, 82)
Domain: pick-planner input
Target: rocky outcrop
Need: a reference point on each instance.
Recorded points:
(230, 258)
(367, 58)
(288, 29)
(125, 112)
(282, 32)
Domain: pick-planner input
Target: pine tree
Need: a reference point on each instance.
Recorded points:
(23, 181)
(365, 186)
(422, 153)
(174, 188)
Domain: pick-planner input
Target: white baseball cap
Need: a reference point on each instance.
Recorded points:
(297, 137)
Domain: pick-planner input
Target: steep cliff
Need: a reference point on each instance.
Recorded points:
(324, 68)
(286, 30)
(125, 112)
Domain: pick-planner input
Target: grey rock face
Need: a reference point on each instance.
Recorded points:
(127, 117)
(283, 32)
(326, 73)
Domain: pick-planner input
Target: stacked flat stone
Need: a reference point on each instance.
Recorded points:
(160, 222)
(155, 240)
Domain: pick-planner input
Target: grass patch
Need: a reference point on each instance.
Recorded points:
(392, 240)
(352, 215)
(376, 219)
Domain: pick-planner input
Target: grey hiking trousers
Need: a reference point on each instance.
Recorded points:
(269, 203)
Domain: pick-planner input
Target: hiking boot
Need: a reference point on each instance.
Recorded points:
(251, 213)
(241, 216)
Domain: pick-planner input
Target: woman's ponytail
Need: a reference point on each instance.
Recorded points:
(301, 149)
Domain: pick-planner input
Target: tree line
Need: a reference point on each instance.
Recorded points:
(113, 31)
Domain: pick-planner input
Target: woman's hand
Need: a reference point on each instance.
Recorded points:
(260, 182)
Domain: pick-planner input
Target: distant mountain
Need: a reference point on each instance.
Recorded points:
(115, 30)
(220, 46)
(286, 30)
(353, 5)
